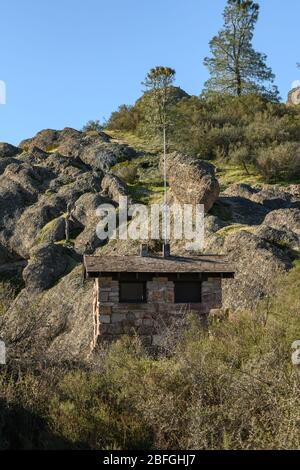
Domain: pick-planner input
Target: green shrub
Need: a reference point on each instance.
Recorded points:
(93, 126)
(280, 163)
(125, 119)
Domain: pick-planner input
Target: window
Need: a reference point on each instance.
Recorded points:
(133, 292)
(187, 292)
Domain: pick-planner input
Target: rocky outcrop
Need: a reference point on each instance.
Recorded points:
(48, 207)
(66, 175)
(51, 139)
(56, 174)
(47, 263)
(92, 148)
(272, 197)
(240, 190)
(192, 181)
(114, 187)
(20, 186)
(212, 224)
(261, 237)
(39, 179)
(8, 150)
(239, 210)
(293, 97)
(257, 263)
(53, 324)
(284, 237)
(284, 219)
(85, 214)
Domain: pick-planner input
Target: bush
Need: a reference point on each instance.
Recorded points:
(242, 156)
(233, 387)
(217, 126)
(125, 119)
(92, 126)
(280, 163)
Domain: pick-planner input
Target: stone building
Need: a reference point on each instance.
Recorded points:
(134, 294)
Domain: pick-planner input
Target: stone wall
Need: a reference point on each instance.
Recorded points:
(112, 319)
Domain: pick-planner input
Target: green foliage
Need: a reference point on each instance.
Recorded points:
(281, 162)
(247, 132)
(158, 83)
(143, 177)
(150, 125)
(146, 116)
(227, 173)
(125, 119)
(237, 120)
(86, 409)
(235, 67)
(93, 126)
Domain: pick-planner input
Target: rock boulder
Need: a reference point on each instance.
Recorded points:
(48, 262)
(192, 181)
(8, 150)
(257, 263)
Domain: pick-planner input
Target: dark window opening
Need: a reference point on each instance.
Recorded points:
(187, 292)
(132, 292)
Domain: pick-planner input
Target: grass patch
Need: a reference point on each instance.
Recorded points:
(235, 228)
(146, 193)
(143, 178)
(228, 174)
(45, 230)
(52, 149)
(295, 256)
(138, 143)
(296, 263)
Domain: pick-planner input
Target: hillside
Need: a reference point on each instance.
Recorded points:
(46, 308)
(257, 226)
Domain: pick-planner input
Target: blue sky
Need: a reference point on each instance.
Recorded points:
(67, 61)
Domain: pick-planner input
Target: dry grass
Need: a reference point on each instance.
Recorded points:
(233, 387)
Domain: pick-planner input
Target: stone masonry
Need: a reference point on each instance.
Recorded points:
(112, 319)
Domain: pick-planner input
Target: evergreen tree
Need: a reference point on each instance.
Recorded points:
(235, 67)
(158, 84)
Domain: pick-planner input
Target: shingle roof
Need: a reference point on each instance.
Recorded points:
(150, 264)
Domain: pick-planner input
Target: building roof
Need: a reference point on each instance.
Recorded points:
(98, 265)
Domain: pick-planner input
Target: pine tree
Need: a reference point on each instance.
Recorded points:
(235, 67)
(158, 84)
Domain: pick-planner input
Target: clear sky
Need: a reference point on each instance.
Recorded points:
(67, 61)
